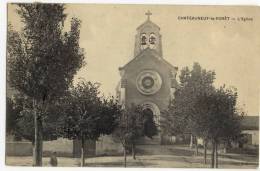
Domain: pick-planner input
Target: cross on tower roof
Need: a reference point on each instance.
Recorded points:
(148, 13)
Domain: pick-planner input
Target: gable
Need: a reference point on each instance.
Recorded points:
(149, 55)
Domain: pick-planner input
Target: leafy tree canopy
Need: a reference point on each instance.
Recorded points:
(87, 114)
(42, 59)
(20, 118)
(201, 109)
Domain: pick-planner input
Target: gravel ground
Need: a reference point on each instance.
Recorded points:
(161, 156)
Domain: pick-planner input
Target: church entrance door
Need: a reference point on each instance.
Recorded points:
(150, 128)
(151, 124)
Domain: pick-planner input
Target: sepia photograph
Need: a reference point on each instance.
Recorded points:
(132, 85)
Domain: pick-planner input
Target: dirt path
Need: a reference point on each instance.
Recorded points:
(148, 156)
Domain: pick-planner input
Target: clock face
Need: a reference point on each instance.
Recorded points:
(148, 82)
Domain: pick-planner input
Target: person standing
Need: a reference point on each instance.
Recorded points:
(53, 160)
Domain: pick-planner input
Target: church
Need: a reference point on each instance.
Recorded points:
(148, 79)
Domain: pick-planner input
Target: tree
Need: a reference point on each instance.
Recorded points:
(20, 119)
(130, 128)
(87, 115)
(25, 122)
(181, 115)
(42, 60)
(13, 109)
(139, 124)
(204, 111)
(221, 118)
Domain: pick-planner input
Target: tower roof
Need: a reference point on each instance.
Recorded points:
(148, 21)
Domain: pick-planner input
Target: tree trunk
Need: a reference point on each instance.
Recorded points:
(82, 151)
(225, 147)
(213, 155)
(133, 150)
(125, 155)
(40, 140)
(196, 146)
(225, 150)
(34, 158)
(216, 156)
(205, 151)
(37, 153)
(191, 140)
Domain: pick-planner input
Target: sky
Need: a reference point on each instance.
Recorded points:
(230, 48)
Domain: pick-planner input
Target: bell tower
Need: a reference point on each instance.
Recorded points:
(148, 79)
(148, 36)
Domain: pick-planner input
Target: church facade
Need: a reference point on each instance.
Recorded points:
(148, 79)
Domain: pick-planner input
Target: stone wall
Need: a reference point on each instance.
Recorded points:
(106, 145)
(18, 148)
(63, 147)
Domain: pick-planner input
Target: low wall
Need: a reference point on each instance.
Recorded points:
(63, 147)
(90, 147)
(18, 148)
(107, 146)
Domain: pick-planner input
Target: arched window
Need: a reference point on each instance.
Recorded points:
(143, 39)
(144, 43)
(152, 39)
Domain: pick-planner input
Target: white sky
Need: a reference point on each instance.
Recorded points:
(230, 48)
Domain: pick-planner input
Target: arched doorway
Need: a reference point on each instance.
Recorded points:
(152, 112)
(150, 106)
(150, 127)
